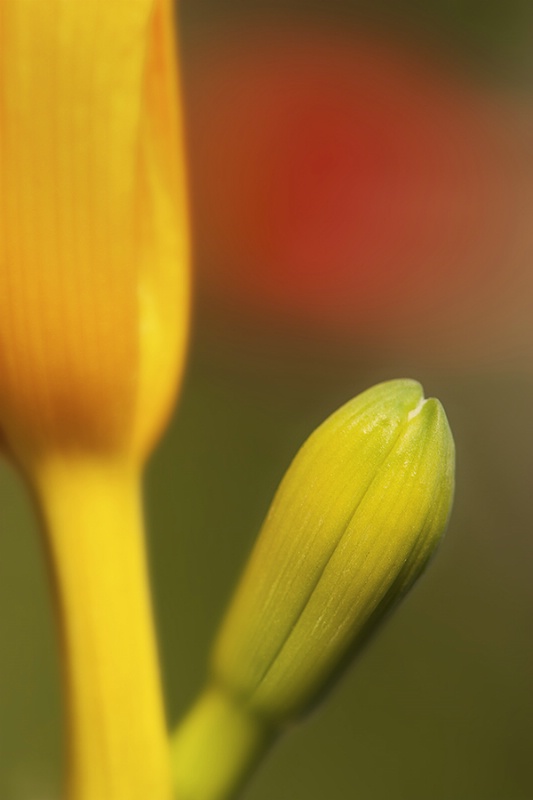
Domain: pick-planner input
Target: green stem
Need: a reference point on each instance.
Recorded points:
(216, 747)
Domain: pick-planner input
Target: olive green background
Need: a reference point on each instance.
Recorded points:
(440, 705)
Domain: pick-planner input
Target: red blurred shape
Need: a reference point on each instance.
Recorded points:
(350, 183)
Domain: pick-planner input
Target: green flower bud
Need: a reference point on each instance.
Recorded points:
(353, 523)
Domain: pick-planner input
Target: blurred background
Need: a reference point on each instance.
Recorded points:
(362, 193)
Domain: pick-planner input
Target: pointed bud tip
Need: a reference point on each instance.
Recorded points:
(432, 425)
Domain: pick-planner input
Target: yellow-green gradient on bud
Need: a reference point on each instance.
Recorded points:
(354, 522)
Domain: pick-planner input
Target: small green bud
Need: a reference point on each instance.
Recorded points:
(353, 523)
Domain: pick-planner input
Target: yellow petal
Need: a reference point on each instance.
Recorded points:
(92, 228)
(163, 244)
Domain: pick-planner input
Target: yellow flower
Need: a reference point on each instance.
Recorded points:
(93, 290)
(353, 524)
(93, 322)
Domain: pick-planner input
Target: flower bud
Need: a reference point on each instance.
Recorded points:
(93, 325)
(353, 523)
(93, 229)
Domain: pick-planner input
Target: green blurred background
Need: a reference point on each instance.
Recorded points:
(440, 705)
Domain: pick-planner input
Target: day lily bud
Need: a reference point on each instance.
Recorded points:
(354, 522)
(93, 236)
(93, 321)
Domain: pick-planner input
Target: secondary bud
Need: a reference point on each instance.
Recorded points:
(354, 522)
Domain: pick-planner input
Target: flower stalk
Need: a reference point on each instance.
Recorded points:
(217, 746)
(116, 737)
